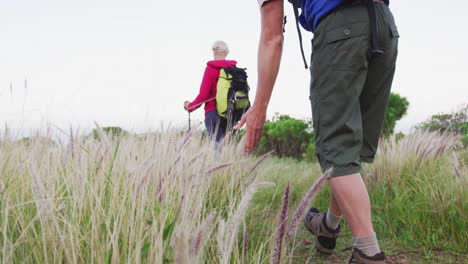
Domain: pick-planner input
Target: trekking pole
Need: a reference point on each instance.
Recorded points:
(189, 121)
(202, 102)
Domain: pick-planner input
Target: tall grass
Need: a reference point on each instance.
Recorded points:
(156, 199)
(419, 192)
(171, 197)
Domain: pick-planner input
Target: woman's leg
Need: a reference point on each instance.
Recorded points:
(211, 121)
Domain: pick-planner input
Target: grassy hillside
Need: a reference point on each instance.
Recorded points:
(169, 197)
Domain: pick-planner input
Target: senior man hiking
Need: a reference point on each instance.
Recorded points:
(352, 67)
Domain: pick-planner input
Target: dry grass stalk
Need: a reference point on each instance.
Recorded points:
(282, 222)
(200, 234)
(305, 202)
(414, 150)
(218, 167)
(229, 231)
(103, 136)
(459, 170)
(71, 143)
(260, 160)
(181, 256)
(245, 243)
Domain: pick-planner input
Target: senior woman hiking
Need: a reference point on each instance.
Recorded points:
(352, 67)
(216, 126)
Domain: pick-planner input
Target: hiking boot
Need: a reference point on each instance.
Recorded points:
(325, 241)
(360, 258)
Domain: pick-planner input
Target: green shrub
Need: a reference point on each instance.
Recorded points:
(113, 132)
(397, 108)
(310, 151)
(286, 136)
(27, 141)
(456, 122)
(399, 136)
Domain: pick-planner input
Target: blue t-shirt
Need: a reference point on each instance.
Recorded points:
(314, 10)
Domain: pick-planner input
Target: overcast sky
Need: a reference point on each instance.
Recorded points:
(133, 63)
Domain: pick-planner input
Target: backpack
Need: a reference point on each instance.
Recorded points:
(232, 95)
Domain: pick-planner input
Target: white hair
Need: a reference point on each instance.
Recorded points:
(220, 47)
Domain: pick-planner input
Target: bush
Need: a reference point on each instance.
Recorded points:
(310, 151)
(456, 123)
(286, 136)
(113, 132)
(399, 136)
(397, 108)
(27, 141)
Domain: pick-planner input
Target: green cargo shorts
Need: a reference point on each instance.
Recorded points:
(349, 87)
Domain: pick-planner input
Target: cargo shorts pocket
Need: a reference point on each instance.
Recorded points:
(347, 46)
(394, 30)
(347, 32)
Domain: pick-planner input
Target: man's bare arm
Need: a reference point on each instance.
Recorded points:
(269, 57)
(269, 50)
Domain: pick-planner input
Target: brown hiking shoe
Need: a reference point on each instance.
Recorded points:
(325, 238)
(360, 258)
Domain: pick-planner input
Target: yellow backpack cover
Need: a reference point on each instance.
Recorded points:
(232, 93)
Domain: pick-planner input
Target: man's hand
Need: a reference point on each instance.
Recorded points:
(254, 119)
(186, 105)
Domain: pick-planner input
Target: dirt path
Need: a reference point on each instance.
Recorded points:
(306, 253)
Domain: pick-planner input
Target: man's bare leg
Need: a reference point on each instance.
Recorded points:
(351, 197)
(334, 213)
(334, 207)
(350, 193)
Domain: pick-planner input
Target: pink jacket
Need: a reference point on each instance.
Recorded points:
(208, 85)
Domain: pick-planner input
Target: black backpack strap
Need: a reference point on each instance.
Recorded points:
(296, 15)
(284, 23)
(230, 106)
